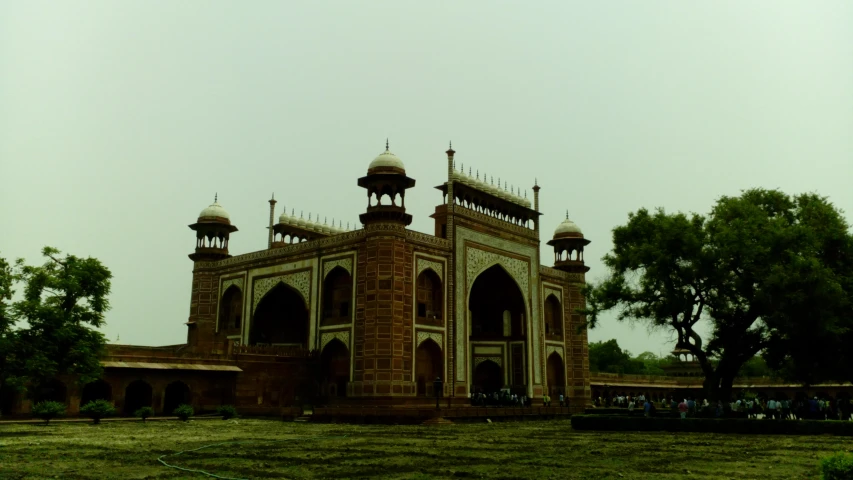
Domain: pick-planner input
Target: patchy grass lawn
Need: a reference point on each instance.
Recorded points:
(272, 449)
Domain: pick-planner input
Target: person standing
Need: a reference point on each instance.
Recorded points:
(682, 409)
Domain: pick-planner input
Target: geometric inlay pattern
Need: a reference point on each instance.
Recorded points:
(478, 260)
(327, 337)
(234, 281)
(434, 336)
(437, 267)
(555, 348)
(345, 263)
(551, 291)
(479, 360)
(300, 281)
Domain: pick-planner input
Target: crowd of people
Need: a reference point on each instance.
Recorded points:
(817, 408)
(504, 398)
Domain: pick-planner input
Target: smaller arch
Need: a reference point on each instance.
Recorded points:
(177, 393)
(337, 297)
(553, 316)
(430, 297)
(335, 366)
(137, 394)
(97, 390)
(51, 391)
(429, 363)
(556, 374)
(231, 309)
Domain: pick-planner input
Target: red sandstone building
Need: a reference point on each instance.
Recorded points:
(369, 316)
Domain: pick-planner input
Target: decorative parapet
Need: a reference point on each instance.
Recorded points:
(495, 222)
(271, 350)
(429, 240)
(553, 272)
(287, 250)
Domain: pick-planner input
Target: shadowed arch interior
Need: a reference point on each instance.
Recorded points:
(337, 297)
(231, 310)
(556, 374)
(137, 395)
(50, 391)
(281, 318)
(177, 393)
(428, 365)
(553, 316)
(497, 306)
(97, 390)
(488, 377)
(430, 303)
(335, 363)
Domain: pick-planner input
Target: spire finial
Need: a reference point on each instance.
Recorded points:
(386, 144)
(215, 197)
(273, 195)
(450, 145)
(535, 181)
(567, 214)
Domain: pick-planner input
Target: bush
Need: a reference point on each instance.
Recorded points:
(144, 413)
(226, 411)
(837, 467)
(98, 409)
(184, 412)
(49, 410)
(711, 425)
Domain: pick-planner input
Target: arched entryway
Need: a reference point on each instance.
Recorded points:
(337, 297)
(556, 374)
(231, 311)
(497, 306)
(137, 395)
(97, 390)
(280, 319)
(177, 393)
(334, 362)
(428, 366)
(488, 377)
(50, 391)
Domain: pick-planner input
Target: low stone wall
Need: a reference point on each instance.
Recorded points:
(403, 415)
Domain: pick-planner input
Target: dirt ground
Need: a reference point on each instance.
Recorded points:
(272, 449)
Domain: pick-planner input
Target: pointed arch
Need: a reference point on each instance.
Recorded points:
(556, 374)
(137, 394)
(337, 297)
(177, 393)
(280, 318)
(493, 293)
(430, 298)
(553, 316)
(97, 390)
(429, 364)
(488, 376)
(335, 366)
(231, 309)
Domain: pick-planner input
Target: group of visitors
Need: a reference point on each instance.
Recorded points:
(768, 408)
(504, 398)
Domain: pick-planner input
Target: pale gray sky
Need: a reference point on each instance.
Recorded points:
(120, 120)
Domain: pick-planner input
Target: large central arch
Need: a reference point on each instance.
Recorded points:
(280, 319)
(498, 319)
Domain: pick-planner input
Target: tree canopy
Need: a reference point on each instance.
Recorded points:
(48, 332)
(770, 273)
(608, 357)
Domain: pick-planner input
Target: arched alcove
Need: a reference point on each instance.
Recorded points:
(137, 395)
(50, 391)
(488, 377)
(430, 304)
(553, 316)
(335, 365)
(493, 293)
(556, 374)
(281, 318)
(231, 310)
(337, 297)
(177, 393)
(429, 363)
(97, 390)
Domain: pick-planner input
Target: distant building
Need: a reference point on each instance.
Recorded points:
(369, 316)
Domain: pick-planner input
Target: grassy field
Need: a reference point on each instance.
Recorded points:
(271, 449)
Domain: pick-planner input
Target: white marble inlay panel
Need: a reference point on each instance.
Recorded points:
(434, 336)
(345, 263)
(479, 360)
(437, 267)
(227, 283)
(300, 281)
(327, 337)
(555, 348)
(479, 260)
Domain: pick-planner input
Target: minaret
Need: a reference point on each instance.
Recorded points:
(213, 229)
(386, 176)
(272, 215)
(568, 243)
(536, 206)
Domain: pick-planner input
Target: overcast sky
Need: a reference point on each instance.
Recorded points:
(119, 120)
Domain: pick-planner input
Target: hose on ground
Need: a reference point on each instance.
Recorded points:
(213, 475)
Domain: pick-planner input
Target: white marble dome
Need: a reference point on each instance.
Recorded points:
(215, 210)
(387, 159)
(567, 226)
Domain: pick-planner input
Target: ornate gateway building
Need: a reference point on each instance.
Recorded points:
(372, 316)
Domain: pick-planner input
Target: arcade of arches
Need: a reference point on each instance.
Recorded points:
(281, 318)
(497, 310)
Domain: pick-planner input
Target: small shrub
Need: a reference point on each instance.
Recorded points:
(184, 412)
(144, 413)
(226, 411)
(48, 410)
(837, 467)
(98, 409)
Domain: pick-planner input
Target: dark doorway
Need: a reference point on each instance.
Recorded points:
(429, 301)
(97, 390)
(428, 366)
(231, 311)
(177, 393)
(335, 365)
(497, 306)
(553, 316)
(137, 395)
(556, 373)
(488, 377)
(337, 297)
(281, 318)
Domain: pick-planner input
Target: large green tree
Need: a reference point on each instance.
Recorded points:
(49, 331)
(770, 274)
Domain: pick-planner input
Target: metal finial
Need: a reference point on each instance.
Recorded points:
(347, 225)
(492, 180)
(215, 197)
(525, 193)
(386, 144)
(567, 214)
(340, 224)
(300, 214)
(309, 216)
(535, 181)
(324, 221)
(469, 171)
(450, 146)
(293, 212)
(273, 196)
(478, 174)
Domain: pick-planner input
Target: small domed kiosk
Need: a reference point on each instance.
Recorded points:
(213, 229)
(568, 242)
